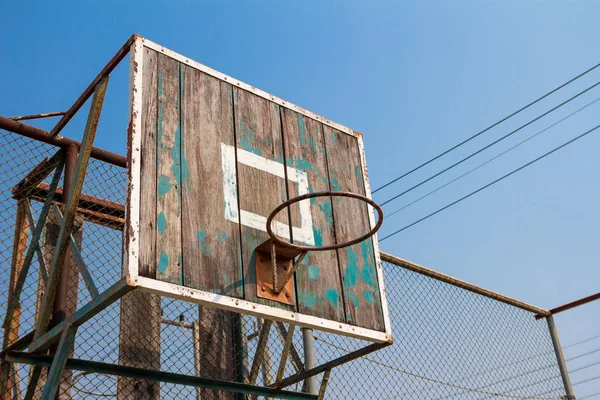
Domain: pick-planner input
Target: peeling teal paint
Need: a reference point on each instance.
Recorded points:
(318, 235)
(314, 273)
(368, 295)
(352, 270)
(223, 276)
(359, 177)
(368, 273)
(161, 223)
(202, 242)
(163, 262)
(332, 296)
(353, 298)
(325, 206)
(221, 237)
(303, 165)
(335, 185)
(333, 137)
(247, 137)
(164, 185)
(309, 299)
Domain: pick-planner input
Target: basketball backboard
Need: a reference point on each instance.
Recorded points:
(210, 158)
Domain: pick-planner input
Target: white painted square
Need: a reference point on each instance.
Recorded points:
(303, 234)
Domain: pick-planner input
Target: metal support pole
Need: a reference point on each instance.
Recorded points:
(562, 366)
(308, 341)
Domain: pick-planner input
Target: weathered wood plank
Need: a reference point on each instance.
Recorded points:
(258, 133)
(147, 254)
(211, 243)
(357, 262)
(140, 314)
(168, 170)
(318, 277)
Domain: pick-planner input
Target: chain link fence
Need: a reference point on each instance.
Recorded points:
(450, 343)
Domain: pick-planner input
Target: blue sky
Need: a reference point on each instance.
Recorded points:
(415, 78)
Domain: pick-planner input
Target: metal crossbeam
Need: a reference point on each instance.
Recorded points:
(35, 238)
(329, 365)
(38, 249)
(82, 315)
(324, 383)
(71, 207)
(168, 377)
(83, 269)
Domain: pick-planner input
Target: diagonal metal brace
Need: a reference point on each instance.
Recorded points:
(38, 249)
(71, 206)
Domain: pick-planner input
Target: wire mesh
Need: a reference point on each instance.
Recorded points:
(449, 343)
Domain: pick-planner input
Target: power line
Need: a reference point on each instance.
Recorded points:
(486, 129)
(582, 341)
(587, 380)
(491, 159)
(589, 396)
(490, 184)
(582, 355)
(489, 145)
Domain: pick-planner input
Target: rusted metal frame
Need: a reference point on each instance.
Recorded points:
(287, 345)
(89, 208)
(329, 365)
(39, 116)
(324, 383)
(106, 298)
(43, 136)
(263, 339)
(37, 175)
(160, 376)
(294, 356)
(562, 365)
(38, 248)
(462, 284)
(572, 304)
(83, 269)
(35, 238)
(67, 340)
(71, 207)
(91, 89)
(19, 345)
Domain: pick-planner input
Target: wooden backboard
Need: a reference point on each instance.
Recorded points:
(210, 158)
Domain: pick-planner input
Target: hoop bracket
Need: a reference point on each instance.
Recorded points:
(275, 267)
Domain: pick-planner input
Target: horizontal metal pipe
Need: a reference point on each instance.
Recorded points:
(160, 376)
(575, 303)
(43, 136)
(39, 116)
(87, 93)
(462, 284)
